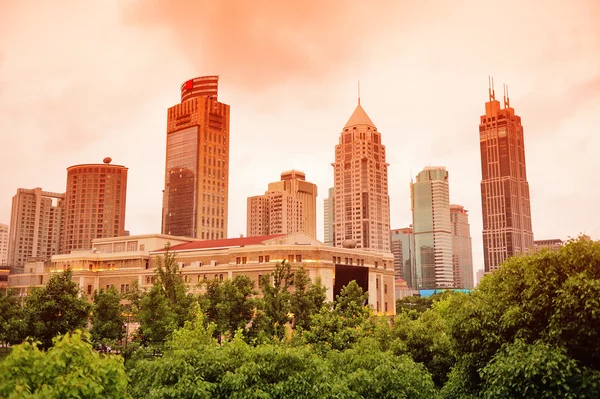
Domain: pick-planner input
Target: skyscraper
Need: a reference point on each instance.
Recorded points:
(504, 189)
(35, 225)
(196, 190)
(430, 204)
(288, 206)
(403, 248)
(3, 244)
(462, 252)
(362, 205)
(94, 204)
(329, 209)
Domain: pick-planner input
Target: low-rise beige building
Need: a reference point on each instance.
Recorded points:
(121, 260)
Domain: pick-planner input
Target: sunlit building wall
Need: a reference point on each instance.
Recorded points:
(430, 204)
(505, 202)
(462, 252)
(362, 205)
(196, 193)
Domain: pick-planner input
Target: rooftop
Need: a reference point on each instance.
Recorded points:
(359, 117)
(224, 243)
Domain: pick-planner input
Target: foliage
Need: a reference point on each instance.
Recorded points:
(276, 298)
(426, 341)
(156, 319)
(538, 370)
(70, 369)
(194, 365)
(308, 298)
(170, 280)
(415, 305)
(11, 318)
(548, 296)
(229, 304)
(342, 327)
(107, 321)
(55, 309)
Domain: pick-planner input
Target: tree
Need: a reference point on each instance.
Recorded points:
(107, 320)
(345, 325)
(551, 297)
(276, 297)
(55, 309)
(537, 370)
(228, 303)
(156, 319)
(170, 280)
(70, 369)
(11, 318)
(308, 298)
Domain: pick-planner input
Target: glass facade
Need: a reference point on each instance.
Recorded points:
(181, 185)
(403, 248)
(430, 203)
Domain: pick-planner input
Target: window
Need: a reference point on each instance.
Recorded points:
(290, 258)
(298, 258)
(216, 276)
(267, 258)
(385, 291)
(386, 307)
(244, 260)
(376, 264)
(89, 289)
(107, 286)
(221, 277)
(378, 307)
(260, 259)
(377, 283)
(238, 260)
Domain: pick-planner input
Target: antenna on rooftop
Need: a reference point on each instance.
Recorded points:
(506, 99)
(491, 91)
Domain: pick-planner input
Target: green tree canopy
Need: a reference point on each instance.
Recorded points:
(277, 297)
(229, 304)
(69, 370)
(107, 321)
(552, 297)
(307, 299)
(55, 309)
(11, 318)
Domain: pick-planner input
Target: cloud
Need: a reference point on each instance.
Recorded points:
(263, 44)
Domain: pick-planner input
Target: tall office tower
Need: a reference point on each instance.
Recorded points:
(35, 225)
(462, 252)
(288, 206)
(403, 248)
(197, 164)
(3, 244)
(362, 204)
(94, 204)
(294, 182)
(430, 204)
(276, 212)
(504, 189)
(329, 210)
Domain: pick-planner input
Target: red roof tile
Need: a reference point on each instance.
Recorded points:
(224, 243)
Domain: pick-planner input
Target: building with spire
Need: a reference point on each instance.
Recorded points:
(196, 190)
(362, 205)
(430, 204)
(505, 199)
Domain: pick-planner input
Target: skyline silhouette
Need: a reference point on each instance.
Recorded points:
(67, 98)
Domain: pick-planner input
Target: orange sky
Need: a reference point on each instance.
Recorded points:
(82, 80)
